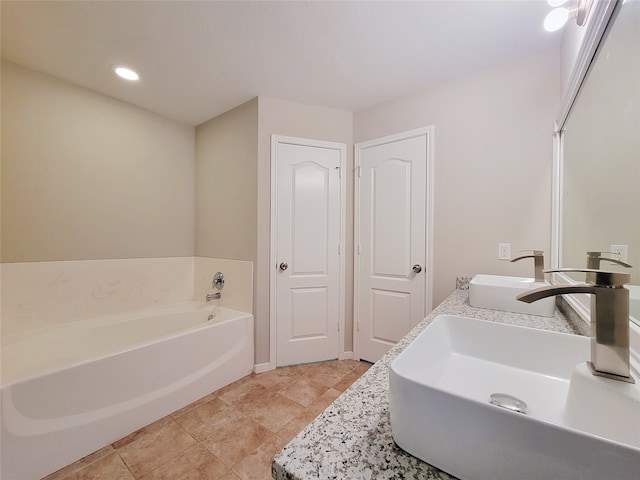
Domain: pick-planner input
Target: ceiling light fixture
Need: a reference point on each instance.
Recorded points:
(558, 17)
(126, 73)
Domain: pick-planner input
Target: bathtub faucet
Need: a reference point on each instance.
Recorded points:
(217, 284)
(609, 319)
(213, 296)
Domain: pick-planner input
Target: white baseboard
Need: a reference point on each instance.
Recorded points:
(263, 367)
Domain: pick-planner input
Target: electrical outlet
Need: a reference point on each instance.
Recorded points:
(504, 251)
(620, 252)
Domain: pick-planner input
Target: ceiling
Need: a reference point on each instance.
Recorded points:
(198, 59)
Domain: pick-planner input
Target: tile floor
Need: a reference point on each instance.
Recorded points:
(230, 434)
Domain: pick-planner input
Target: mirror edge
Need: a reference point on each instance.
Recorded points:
(601, 15)
(595, 29)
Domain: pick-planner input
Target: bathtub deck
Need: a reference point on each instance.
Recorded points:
(230, 434)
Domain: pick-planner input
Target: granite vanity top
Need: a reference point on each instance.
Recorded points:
(352, 438)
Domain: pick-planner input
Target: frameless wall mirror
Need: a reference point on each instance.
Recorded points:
(599, 189)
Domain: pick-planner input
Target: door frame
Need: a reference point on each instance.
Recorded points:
(273, 261)
(428, 132)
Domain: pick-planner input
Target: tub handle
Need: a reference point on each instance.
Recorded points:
(283, 266)
(218, 281)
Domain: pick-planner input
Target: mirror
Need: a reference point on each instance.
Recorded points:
(600, 189)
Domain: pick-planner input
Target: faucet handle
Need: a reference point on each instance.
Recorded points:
(218, 281)
(596, 277)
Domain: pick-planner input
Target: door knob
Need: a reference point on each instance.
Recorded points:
(417, 268)
(283, 266)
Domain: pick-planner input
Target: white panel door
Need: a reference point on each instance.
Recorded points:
(391, 242)
(307, 253)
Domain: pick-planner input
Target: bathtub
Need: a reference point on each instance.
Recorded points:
(73, 389)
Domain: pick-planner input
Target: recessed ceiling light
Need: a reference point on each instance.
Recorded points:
(126, 73)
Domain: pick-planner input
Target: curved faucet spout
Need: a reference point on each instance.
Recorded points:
(544, 292)
(521, 257)
(594, 259)
(538, 265)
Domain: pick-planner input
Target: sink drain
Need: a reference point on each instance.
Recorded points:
(509, 402)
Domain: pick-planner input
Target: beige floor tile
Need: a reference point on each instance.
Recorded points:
(277, 379)
(324, 374)
(110, 467)
(232, 391)
(200, 420)
(362, 367)
(195, 463)
(196, 404)
(346, 381)
(230, 475)
(303, 368)
(251, 394)
(154, 448)
(345, 366)
(317, 407)
(73, 468)
(257, 465)
(271, 410)
(234, 437)
(304, 391)
(295, 426)
(280, 443)
(144, 431)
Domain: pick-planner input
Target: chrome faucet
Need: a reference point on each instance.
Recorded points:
(217, 284)
(609, 319)
(594, 258)
(538, 263)
(213, 296)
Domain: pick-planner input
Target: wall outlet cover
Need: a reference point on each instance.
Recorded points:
(504, 251)
(620, 252)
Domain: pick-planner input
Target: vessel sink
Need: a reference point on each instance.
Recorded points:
(499, 292)
(571, 424)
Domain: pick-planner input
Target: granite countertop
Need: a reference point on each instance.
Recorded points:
(352, 438)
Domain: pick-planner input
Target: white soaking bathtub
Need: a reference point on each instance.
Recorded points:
(73, 389)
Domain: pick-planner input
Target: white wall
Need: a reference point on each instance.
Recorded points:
(226, 155)
(493, 158)
(85, 176)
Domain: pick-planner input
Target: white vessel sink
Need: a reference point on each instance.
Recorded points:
(575, 426)
(499, 292)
